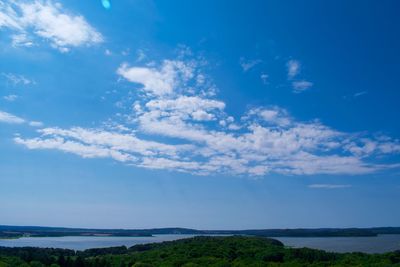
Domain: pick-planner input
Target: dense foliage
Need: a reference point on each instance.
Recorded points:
(199, 251)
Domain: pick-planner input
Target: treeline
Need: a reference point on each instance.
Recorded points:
(322, 232)
(10, 235)
(36, 231)
(19, 231)
(232, 251)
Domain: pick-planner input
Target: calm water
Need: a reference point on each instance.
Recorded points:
(85, 242)
(379, 244)
(376, 244)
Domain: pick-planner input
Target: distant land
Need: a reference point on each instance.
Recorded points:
(7, 232)
(200, 251)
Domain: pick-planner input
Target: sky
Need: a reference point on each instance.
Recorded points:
(200, 114)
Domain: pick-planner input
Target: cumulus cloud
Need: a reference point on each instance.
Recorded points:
(271, 115)
(186, 108)
(365, 147)
(161, 81)
(47, 20)
(176, 123)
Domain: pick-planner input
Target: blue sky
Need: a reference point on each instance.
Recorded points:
(202, 114)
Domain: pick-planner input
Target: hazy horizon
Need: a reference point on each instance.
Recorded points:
(77, 227)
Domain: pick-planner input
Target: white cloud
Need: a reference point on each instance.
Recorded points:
(301, 86)
(186, 107)
(140, 55)
(6, 117)
(98, 143)
(201, 115)
(329, 186)
(21, 39)
(177, 124)
(249, 64)
(83, 150)
(264, 78)
(163, 163)
(293, 68)
(125, 52)
(16, 79)
(365, 147)
(360, 94)
(36, 124)
(234, 127)
(10, 98)
(273, 115)
(10, 118)
(49, 21)
(307, 164)
(157, 81)
(114, 140)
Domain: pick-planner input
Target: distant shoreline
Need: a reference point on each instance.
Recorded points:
(15, 232)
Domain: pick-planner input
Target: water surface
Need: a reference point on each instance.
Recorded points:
(374, 244)
(86, 242)
(377, 244)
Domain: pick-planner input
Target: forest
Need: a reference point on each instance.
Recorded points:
(199, 251)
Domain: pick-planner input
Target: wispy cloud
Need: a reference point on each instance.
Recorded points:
(293, 68)
(354, 96)
(264, 78)
(329, 186)
(248, 64)
(176, 123)
(10, 118)
(17, 79)
(36, 124)
(125, 52)
(360, 93)
(47, 20)
(141, 55)
(21, 39)
(10, 98)
(301, 86)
